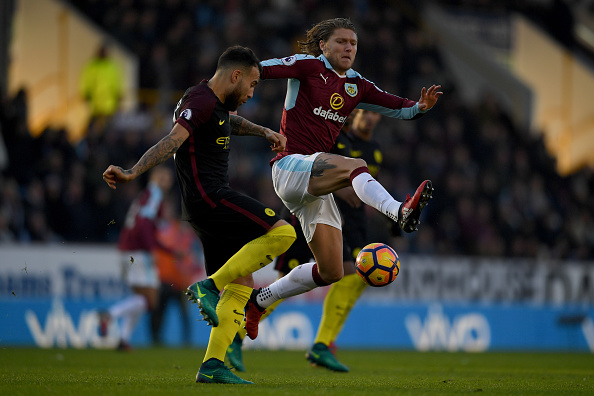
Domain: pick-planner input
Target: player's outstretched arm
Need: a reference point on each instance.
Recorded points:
(242, 127)
(159, 153)
(429, 97)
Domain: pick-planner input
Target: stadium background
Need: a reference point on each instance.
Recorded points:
(503, 259)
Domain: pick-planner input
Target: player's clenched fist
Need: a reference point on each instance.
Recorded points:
(115, 174)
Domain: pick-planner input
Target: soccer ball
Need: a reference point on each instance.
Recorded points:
(377, 264)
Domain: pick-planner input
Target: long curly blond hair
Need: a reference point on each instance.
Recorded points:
(322, 31)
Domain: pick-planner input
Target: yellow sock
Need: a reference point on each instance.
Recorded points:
(242, 331)
(230, 312)
(255, 255)
(356, 285)
(338, 303)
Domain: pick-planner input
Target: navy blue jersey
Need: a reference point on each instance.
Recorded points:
(202, 160)
(225, 220)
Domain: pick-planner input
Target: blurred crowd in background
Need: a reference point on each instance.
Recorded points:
(497, 192)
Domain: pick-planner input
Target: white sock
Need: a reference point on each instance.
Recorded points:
(129, 324)
(298, 281)
(130, 310)
(129, 305)
(375, 195)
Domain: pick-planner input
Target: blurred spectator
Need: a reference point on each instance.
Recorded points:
(23, 149)
(176, 272)
(137, 242)
(101, 85)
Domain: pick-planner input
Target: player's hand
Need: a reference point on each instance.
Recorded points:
(114, 174)
(278, 141)
(429, 97)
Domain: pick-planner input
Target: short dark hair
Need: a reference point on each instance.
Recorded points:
(322, 31)
(238, 56)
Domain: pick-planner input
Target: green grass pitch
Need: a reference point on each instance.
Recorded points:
(160, 371)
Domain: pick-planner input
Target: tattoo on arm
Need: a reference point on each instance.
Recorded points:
(319, 165)
(157, 154)
(242, 127)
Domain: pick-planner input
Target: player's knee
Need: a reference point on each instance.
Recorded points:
(285, 235)
(331, 275)
(356, 163)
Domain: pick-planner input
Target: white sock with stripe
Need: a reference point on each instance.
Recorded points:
(371, 192)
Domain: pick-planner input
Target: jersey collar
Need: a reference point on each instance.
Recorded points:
(349, 73)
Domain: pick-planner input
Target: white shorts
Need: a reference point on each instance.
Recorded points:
(138, 268)
(290, 176)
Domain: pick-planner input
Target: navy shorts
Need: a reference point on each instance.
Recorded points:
(223, 230)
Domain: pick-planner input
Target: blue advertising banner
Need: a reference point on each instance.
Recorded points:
(420, 326)
(50, 296)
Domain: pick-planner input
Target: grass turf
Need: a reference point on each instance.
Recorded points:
(163, 371)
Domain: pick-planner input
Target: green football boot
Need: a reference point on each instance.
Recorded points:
(320, 355)
(235, 355)
(213, 371)
(206, 295)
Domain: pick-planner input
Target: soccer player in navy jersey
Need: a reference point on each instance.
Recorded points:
(239, 234)
(322, 91)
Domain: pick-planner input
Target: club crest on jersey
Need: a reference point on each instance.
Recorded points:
(289, 60)
(351, 89)
(187, 114)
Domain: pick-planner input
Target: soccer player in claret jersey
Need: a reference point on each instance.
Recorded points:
(343, 295)
(298, 253)
(137, 241)
(355, 141)
(322, 91)
(239, 234)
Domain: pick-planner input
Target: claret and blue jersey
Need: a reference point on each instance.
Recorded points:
(319, 101)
